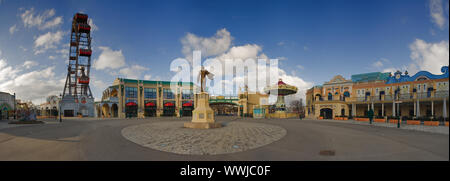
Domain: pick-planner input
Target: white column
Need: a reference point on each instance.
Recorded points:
(444, 112)
(415, 109)
(368, 107)
(353, 109)
(382, 109)
(432, 108)
(373, 107)
(418, 108)
(393, 108)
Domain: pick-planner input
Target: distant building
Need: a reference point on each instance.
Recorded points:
(50, 107)
(421, 95)
(145, 98)
(7, 105)
(253, 104)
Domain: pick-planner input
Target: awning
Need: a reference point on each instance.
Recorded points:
(131, 104)
(187, 104)
(150, 104)
(169, 104)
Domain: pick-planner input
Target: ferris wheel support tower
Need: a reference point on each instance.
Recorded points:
(77, 99)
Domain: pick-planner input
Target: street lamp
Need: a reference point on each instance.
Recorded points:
(60, 119)
(398, 106)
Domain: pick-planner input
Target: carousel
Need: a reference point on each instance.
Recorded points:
(281, 90)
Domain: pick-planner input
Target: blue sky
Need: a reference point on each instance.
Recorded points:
(315, 40)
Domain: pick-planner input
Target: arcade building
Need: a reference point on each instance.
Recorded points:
(423, 95)
(128, 98)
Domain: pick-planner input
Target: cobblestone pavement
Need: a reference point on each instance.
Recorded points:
(233, 137)
(102, 139)
(430, 129)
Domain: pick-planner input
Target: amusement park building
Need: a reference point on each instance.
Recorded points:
(145, 98)
(50, 107)
(7, 105)
(421, 95)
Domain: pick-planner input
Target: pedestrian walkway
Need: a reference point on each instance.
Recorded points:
(431, 129)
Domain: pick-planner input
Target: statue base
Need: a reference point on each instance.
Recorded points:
(202, 125)
(202, 115)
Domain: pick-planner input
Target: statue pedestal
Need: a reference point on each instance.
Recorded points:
(202, 115)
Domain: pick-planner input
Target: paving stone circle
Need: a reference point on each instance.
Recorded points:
(172, 137)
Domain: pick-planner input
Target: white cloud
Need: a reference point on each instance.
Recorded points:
(429, 56)
(244, 52)
(133, 72)
(32, 19)
(47, 41)
(109, 59)
(53, 23)
(282, 58)
(147, 77)
(93, 26)
(281, 43)
(13, 29)
(42, 82)
(377, 64)
(437, 13)
(51, 57)
(212, 46)
(29, 63)
(300, 67)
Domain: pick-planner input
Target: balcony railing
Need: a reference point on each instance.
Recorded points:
(388, 97)
(441, 94)
(403, 97)
(406, 96)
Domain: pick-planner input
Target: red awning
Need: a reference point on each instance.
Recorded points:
(150, 104)
(187, 104)
(131, 104)
(169, 104)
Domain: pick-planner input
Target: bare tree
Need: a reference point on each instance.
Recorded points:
(298, 107)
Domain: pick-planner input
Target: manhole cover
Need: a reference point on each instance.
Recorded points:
(327, 153)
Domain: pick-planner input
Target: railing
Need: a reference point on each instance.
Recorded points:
(403, 97)
(388, 97)
(423, 95)
(406, 96)
(441, 94)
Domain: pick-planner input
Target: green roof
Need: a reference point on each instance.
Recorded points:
(367, 77)
(155, 82)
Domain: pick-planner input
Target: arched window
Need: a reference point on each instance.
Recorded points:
(330, 96)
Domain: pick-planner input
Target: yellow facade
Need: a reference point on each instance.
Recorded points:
(143, 98)
(421, 95)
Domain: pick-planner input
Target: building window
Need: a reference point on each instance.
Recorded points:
(131, 92)
(187, 94)
(168, 94)
(150, 93)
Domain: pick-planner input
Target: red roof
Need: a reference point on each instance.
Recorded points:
(131, 104)
(280, 82)
(150, 104)
(169, 104)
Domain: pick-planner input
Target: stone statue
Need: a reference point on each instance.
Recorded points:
(202, 74)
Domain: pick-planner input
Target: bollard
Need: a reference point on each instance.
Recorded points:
(398, 122)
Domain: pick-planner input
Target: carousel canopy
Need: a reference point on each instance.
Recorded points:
(281, 88)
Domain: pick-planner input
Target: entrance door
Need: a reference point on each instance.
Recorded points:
(169, 111)
(150, 111)
(68, 113)
(326, 113)
(131, 111)
(187, 110)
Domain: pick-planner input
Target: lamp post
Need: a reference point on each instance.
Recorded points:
(398, 107)
(60, 118)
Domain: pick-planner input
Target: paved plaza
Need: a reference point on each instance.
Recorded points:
(241, 139)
